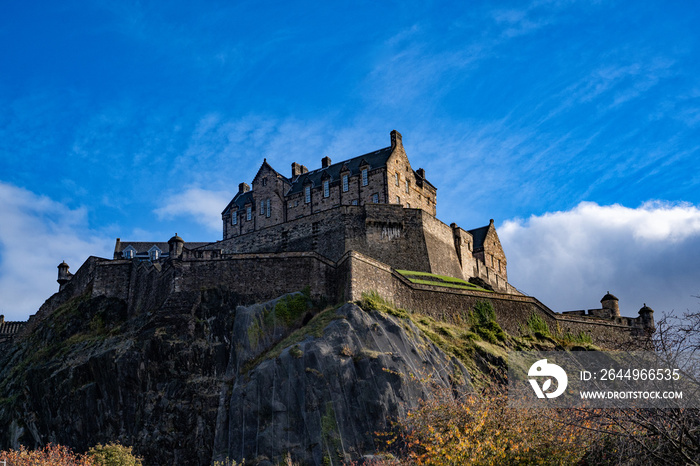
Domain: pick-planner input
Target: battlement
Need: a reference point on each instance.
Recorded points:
(255, 277)
(9, 329)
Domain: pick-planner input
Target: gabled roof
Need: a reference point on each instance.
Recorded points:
(239, 200)
(375, 159)
(479, 235)
(265, 164)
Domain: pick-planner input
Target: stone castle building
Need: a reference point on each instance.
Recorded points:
(364, 224)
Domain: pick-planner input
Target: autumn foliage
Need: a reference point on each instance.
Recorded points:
(481, 429)
(111, 454)
(50, 455)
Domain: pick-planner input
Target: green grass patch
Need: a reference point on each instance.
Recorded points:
(372, 301)
(427, 278)
(538, 326)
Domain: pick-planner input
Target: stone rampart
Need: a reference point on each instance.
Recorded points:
(512, 310)
(258, 277)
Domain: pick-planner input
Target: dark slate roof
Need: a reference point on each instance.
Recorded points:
(374, 159)
(240, 200)
(142, 247)
(479, 235)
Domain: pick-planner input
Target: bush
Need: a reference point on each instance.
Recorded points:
(483, 321)
(50, 455)
(113, 454)
(538, 326)
(482, 429)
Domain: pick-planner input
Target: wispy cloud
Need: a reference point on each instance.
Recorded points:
(36, 234)
(569, 259)
(201, 205)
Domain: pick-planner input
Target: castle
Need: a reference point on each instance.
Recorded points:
(364, 224)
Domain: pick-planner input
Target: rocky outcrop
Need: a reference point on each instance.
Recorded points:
(202, 378)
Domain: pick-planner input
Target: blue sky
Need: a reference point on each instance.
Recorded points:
(575, 125)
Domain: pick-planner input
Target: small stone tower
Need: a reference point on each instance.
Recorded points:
(64, 275)
(647, 315)
(176, 245)
(612, 304)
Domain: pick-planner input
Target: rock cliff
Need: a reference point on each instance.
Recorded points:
(203, 378)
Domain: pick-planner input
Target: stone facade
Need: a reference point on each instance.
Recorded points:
(341, 230)
(384, 176)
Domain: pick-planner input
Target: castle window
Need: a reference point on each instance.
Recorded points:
(364, 177)
(307, 194)
(499, 265)
(397, 178)
(268, 210)
(262, 207)
(346, 183)
(154, 253)
(264, 181)
(398, 200)
(248, 213)
(326, 188)
(128, 253)
(296, 203)
(375, 198)
(408, 184)
(408, 205)
(355, 202)
(234, 218)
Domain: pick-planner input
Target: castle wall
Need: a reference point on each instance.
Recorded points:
(442, 254)
(260, 277)
(512, 311)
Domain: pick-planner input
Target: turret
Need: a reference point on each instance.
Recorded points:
(646, 314)
(64, 275)
(612, 304)
(176, 245)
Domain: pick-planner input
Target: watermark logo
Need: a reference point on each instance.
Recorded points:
(544, 369)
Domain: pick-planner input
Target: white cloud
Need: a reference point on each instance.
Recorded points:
(203, 206)
(570, 259)
(36, 234)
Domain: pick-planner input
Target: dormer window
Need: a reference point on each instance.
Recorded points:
(326, 188)
(248, 213)
(129, 252)
(307, 194)
(154, 253)
(364, 177)
(346, 183)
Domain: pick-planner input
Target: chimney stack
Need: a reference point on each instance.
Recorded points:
(325, 162)
(298, 169)
(421, 173)
(243, 188)
(395, 139)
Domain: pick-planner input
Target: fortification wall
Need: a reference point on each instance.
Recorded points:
(390, 234)
(259, 277)
(442, 254)
(80, 282)
(446, 304)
